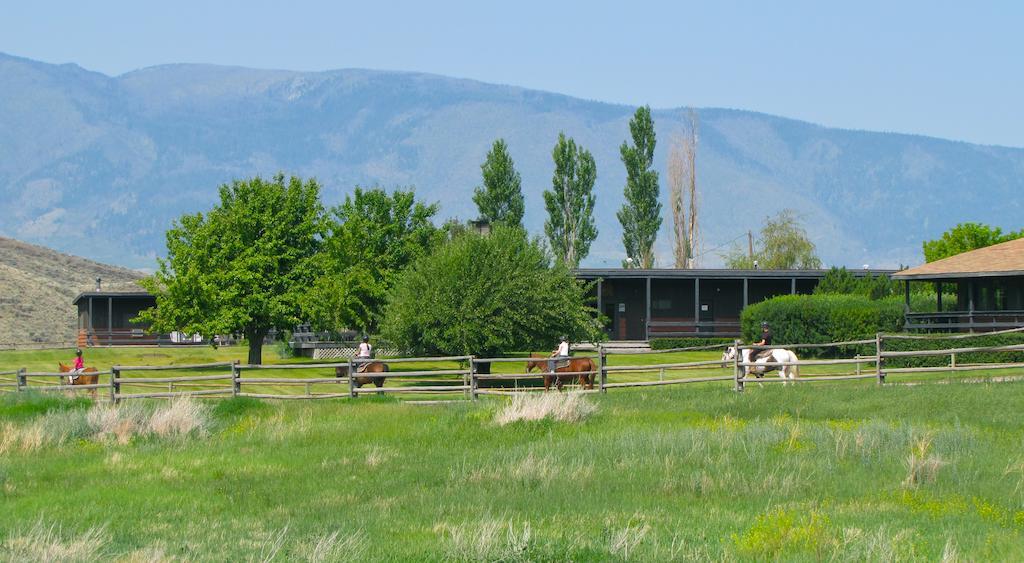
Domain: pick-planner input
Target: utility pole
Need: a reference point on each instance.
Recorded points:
(750, 245)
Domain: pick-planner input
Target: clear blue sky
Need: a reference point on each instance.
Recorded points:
(947, 69)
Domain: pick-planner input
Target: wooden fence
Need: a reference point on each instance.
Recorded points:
(226, 379)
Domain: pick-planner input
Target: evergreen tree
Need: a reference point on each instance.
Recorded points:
(641, 213)
(570, 203)
(500, 199)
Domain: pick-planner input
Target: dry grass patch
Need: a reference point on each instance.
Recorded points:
(563, 407)
(488, 540)
(50, 543)
(922, 465)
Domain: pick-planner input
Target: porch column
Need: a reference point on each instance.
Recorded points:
(110, 319)
(88, 340)
(745, 300)
(938, 295)
(647, 317)
(970, 305)
(906, 297)
(600, 310)
(696, 304)
(792, 286)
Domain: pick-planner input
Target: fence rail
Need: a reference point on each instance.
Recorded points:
(470, 372)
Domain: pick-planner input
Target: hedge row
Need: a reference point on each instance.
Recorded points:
(687, 342)
(820, 319)
(979, 340)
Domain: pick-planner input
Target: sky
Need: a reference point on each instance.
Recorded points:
(937, 68)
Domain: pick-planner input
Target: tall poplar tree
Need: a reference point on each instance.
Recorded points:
(500, 199)
(641, 213)
(570, 203)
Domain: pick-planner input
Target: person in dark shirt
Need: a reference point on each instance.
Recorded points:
(766, 340)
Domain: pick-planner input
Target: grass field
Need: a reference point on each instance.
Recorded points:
(832, 471)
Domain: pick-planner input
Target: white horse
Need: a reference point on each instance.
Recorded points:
(775, 355)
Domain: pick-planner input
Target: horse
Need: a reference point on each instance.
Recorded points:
(360, 380)
(83, 378)
(776, 355)
(576, 365)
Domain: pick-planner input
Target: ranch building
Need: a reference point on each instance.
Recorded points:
(645, 304)
(105, 318)
(989, 287)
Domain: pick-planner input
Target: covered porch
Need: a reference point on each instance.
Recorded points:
(988, 284)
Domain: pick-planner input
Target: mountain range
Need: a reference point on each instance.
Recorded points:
(100, 166)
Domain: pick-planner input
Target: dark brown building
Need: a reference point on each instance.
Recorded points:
(645, 304)
(104, 317)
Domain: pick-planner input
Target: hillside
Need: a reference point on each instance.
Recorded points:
(99, 166)
(37, 286)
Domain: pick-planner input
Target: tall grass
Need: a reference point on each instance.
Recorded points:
(836, 473)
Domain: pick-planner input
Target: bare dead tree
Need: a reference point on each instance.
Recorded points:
(691, 124)
(677, 185)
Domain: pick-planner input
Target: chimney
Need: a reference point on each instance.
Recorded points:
(99, 281)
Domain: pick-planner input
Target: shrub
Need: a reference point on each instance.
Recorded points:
(819, 319)
(940, 343)
(687, 342)
(486, 295)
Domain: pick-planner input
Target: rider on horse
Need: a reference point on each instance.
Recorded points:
(559, 354)
(766, 340)
(365, 353)
(79, 365)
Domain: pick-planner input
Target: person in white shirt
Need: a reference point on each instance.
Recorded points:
(560, 353)
(365, 352)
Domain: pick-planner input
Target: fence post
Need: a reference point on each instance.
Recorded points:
(22, 379)
(736, 365)
(473, 381)
(879, 347)
(236, 378)
(115, 385)
(857, 357)
(603, 362)
(952, 359)
(351, 379)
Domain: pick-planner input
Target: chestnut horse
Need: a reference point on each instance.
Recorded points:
(584, 365)
(360, 380)
(87, 377)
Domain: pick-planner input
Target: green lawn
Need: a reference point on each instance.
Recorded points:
(829, 471)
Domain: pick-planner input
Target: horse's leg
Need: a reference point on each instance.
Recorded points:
(547, 382)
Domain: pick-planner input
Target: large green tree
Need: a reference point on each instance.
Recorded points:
(487, 295)
(500, 198)
(782, 245)
(570, 225)
(640, 215)
(242, 267)
(373, 236)
(964, 237)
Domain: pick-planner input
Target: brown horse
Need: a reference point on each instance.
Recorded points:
(87, 377)
(360, 380)
(585, 365)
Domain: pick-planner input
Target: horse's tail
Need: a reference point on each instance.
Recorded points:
(796, 366)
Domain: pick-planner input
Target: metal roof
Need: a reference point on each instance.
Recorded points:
(714, 273)
(140, 294)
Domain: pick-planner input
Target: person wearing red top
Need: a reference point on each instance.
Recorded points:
(79, 366)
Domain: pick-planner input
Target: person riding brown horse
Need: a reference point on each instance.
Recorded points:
(79, 374)
(581, 369)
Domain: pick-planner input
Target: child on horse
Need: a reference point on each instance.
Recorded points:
(79, 365)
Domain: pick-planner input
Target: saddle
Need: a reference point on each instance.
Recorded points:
(362, 367)
(562, 364)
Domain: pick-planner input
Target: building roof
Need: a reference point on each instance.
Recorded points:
(714, 273)
(115, 294)
(1003, 259)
